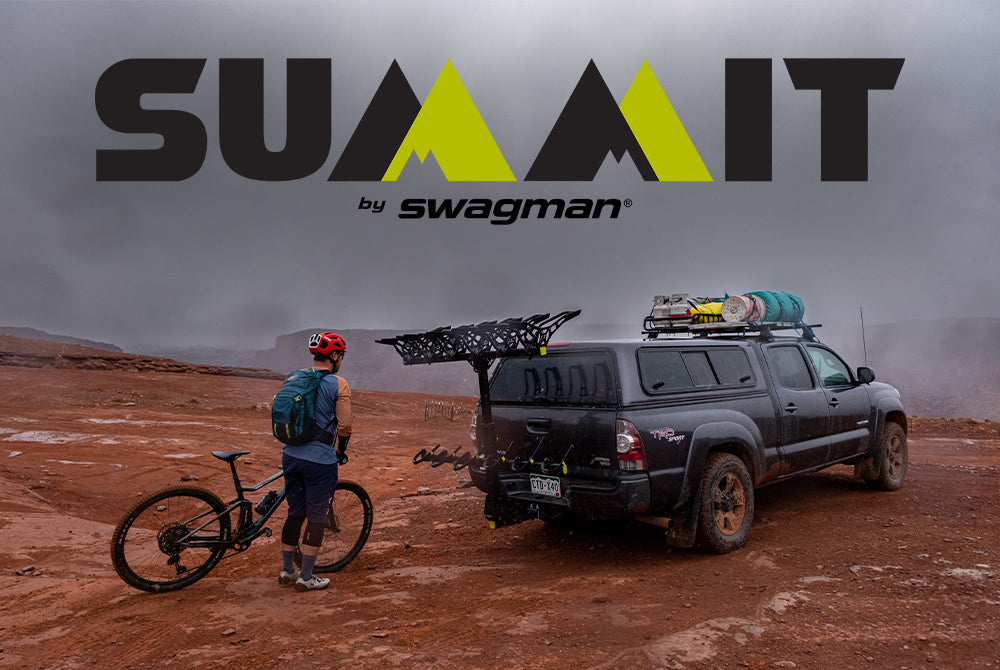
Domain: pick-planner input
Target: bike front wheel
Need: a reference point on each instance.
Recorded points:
(171, 539)
(346, 532)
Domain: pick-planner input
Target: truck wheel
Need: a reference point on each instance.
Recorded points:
(726, 510)
(895, 459)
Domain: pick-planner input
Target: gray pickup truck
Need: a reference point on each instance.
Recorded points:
(678, 432)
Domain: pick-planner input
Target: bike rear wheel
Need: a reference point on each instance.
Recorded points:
(171, 539)
(350, 523)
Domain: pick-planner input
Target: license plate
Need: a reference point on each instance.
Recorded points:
(545, 486)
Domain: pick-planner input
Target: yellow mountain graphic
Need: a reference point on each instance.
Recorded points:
(450, 126)
(659, 131)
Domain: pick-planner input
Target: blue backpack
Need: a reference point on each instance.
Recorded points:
(293, 410)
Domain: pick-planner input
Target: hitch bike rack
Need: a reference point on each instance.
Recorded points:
(436, 458)
(480, 345)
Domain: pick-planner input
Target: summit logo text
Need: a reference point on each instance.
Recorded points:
(397, 125)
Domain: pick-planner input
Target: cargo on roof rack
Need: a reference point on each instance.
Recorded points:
(756, 312)
(753, 307)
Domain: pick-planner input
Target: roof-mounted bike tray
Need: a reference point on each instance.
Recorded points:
(480, 345)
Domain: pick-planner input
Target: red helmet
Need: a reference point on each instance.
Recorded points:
(326, 343)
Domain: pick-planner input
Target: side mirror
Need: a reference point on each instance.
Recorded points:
(866, 375)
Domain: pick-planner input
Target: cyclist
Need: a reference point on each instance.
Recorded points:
(311, 469)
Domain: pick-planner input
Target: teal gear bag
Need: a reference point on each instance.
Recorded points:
(293, 409)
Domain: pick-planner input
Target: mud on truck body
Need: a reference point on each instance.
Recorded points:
(677, 429)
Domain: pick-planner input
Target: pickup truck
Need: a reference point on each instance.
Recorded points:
(679, 432)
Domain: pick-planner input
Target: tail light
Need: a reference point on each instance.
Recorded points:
(631, 453)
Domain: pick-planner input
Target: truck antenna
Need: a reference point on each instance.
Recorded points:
(863, 343)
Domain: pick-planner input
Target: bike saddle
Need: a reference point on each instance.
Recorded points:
(228, 456)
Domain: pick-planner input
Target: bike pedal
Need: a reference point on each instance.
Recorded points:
(267, 532)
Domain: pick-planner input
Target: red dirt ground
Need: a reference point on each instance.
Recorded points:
(834, 576)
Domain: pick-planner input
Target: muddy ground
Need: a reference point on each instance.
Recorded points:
(834, 576)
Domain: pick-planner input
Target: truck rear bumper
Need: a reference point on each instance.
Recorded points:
(625, 497)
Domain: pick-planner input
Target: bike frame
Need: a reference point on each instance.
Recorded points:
(247, 528)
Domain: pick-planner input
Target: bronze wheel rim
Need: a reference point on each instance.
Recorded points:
(729, 502)
(894, 456)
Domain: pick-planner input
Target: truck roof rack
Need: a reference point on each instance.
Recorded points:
(652, 328)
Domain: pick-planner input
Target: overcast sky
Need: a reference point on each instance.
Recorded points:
(219, 258)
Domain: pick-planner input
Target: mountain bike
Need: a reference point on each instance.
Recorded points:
(174, 537)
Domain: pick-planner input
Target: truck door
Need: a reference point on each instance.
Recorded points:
(850, 406)
(803, 411)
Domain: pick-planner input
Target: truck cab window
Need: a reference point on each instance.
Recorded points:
(832, 371)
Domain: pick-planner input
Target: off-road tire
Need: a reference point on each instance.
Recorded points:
(148, 548)
(894, 459)
(726, 508)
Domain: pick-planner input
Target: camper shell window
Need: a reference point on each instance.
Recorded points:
(664, 370)
(569, 378)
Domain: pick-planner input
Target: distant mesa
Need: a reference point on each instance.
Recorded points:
(41, 335)
(31, 353)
